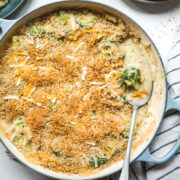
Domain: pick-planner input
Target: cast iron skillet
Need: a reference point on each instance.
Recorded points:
(9, 27)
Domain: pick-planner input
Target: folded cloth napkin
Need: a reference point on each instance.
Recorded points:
(168, 132)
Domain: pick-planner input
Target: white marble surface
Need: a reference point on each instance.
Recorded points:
(161, 22)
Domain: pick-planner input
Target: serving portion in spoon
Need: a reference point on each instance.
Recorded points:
(131, 77)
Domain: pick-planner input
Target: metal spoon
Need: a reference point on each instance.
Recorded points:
(135, 104)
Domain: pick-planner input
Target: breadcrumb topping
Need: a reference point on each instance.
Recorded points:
(62, 98)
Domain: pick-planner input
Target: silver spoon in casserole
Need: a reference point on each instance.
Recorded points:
(136, 100)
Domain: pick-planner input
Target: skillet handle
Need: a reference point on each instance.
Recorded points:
(5, 25)
(146, 156)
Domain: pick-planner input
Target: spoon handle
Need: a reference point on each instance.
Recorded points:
(125, 170)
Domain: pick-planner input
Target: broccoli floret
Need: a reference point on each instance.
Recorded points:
(15, 39)
(20, 125)
(54, 37)
(57, 153)
(62, 18)
(93, 161)
(37, 30)
(124, 97)
(88, 22)
(53, 106)
(15, 42)
(131, 77)
(96, 161)
(19, 138)
(102, 160)
(125, 134)
(33, 31)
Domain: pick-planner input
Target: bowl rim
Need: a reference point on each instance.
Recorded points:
(9, 9)
(95, 176)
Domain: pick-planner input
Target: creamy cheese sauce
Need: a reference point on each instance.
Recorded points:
(63, 91)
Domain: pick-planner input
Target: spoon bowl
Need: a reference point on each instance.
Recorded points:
(143, 101)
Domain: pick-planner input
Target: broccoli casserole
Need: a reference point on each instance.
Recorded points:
(64, 81)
